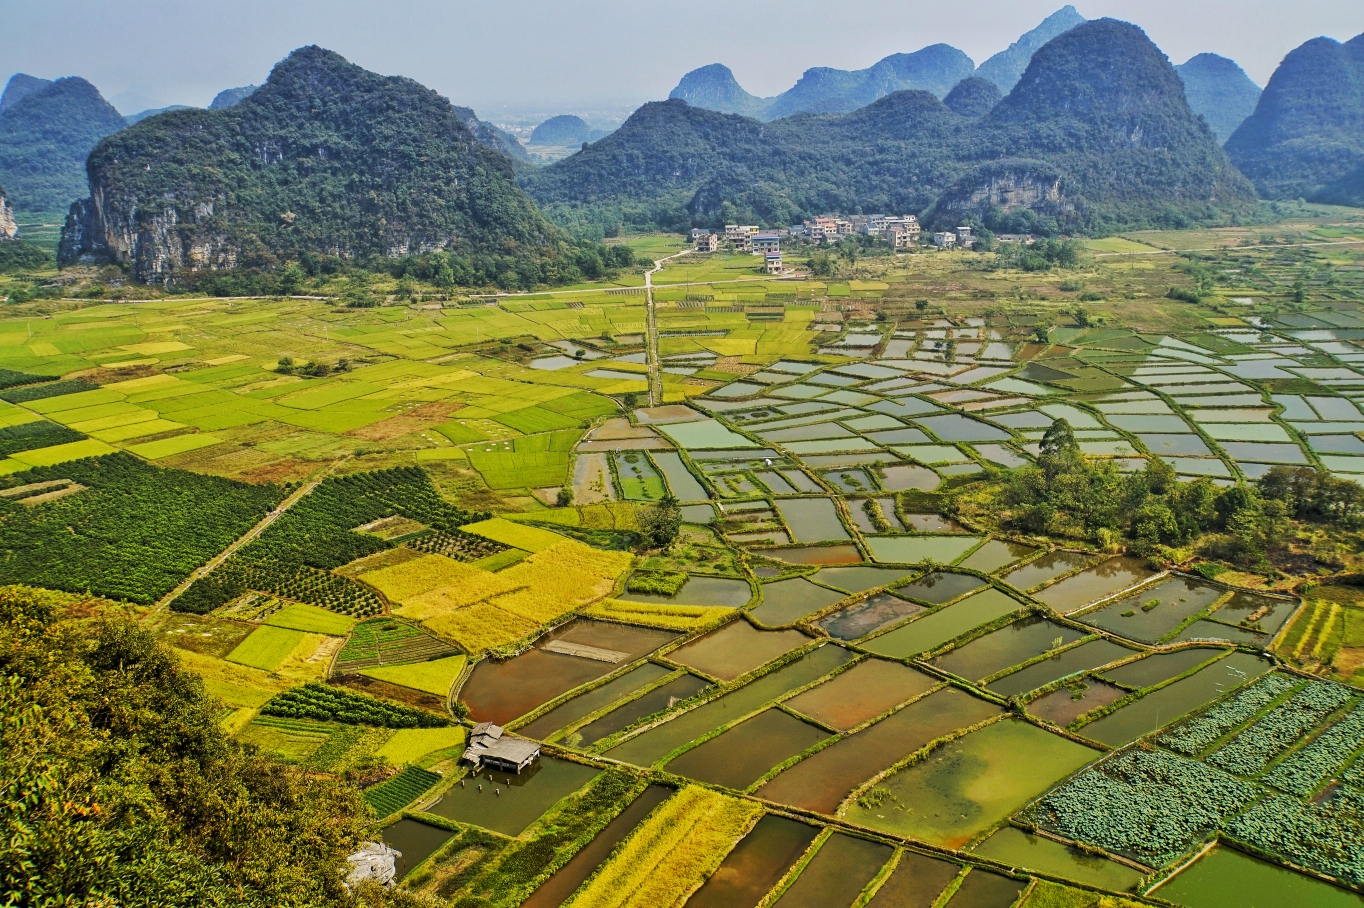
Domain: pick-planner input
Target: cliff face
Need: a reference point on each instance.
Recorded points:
(8, 229)
(324, 159)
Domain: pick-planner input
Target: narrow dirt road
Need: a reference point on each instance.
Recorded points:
(651, 331)
(294, 498)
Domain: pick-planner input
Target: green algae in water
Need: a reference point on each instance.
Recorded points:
(509, 803)
(918, 549)
(1016, 848)
(1226, 878)
(967, 785)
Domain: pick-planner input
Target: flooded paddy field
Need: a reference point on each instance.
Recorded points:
(595, 699)
(932, 630)
(1154, 611)
(1016, 848)
(627, 714)
(1068, 662)
(863, 692)
(967, 785)
(1010, 645)
(743, 754)
(500, 691)
(869, 615)
(736, 649)
(1064, 706)
(788, 601)
(416, 840)
(916, 882)
(1091, 585)
(756, 864)
(645, 748)
(837, 874)
(699, 590)
(824, 779)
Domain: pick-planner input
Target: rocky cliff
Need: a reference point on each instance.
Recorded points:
(8, 229)
(324, 159)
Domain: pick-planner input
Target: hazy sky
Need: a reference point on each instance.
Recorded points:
(516, 56)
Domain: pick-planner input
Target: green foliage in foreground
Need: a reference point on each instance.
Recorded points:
(332, 704)
(30, 436)
(133, 533)
(129, 793)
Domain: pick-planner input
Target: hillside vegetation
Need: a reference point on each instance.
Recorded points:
(46, 131)
(1306, 137)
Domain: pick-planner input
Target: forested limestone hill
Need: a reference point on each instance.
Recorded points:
(1005, 68)
(46, 131)
(324, 159)
(1306, 136)
(1219, 91)
(1097, 134)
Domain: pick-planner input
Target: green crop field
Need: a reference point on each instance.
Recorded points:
(267, 647)
(312, 619)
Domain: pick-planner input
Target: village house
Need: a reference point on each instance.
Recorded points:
(774, 263)
(964, 238)
(707, 242)
(945, 239)
(492, 748)
(764, 244)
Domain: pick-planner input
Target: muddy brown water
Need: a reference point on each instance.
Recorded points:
(735, 649)
(837, 874)
(745, 753)
(592, 701)
(627, 714)
(859, 579)
(755, 865)
(863, 692)
(554, 891)
(869, 615)
(916, 882)
(1063, 706)
(982, 889)
(501, 691)
(821, 781)
(1007, 646)
(1076, 659)
(817, 554)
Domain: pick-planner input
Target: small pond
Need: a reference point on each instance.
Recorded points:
(901, 478)
(501, 691)
(918, 549)
(416, 840)
(583, 704)
(1153, 612)
(1045, 568)
(995, 554)
(1102, 580)
(1064, 706)
(509, 803)
(972, 782)
(627, 714)
(1014, 847)
(700, 590)
(812, 519)
(1227, 878)
(1077, 659)
(818, 554)
(916, 882)
(939, 587)
(788, 601)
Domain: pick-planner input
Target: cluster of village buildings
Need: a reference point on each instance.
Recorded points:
(902, 232)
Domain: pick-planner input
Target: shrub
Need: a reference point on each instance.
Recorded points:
(332, 704)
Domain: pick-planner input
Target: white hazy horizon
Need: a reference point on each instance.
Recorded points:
(526, 58)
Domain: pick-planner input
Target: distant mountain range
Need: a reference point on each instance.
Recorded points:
(324, 159)
(934, 69)
(1306, 136)
(565, 129)
(1074, 145)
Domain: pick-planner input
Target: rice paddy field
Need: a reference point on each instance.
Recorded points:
(844, 683)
